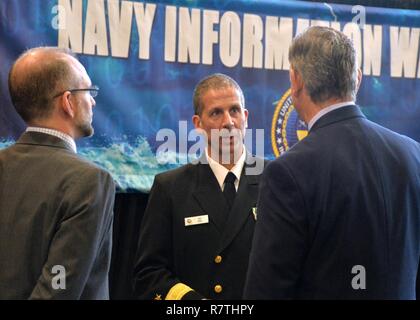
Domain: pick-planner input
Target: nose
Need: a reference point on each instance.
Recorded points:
(227, 120)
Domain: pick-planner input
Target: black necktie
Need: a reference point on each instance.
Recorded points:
(229, 191)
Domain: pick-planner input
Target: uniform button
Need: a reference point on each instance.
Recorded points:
(218, 259)
(218, 288)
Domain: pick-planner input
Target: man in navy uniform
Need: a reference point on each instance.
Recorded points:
(197, 229)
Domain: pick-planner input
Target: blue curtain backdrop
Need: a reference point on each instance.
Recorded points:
(147, 80)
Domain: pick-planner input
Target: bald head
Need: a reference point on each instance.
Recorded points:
(37, 75)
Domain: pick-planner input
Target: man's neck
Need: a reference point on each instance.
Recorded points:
(233, 159)
(312, 108)
(54, 125)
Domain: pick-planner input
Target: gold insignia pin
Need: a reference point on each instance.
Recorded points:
(254, 212)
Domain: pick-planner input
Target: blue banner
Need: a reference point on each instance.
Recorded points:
(147, 57)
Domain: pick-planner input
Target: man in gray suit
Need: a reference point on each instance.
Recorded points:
(197, 230)
(55, 208)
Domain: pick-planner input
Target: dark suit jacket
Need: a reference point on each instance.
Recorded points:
(55, 209)
(347, 195)
(170, 252)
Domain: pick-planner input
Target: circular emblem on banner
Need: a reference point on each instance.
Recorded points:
(286, 128)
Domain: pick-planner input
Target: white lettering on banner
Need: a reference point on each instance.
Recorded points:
(144, 20)
(95, 31)
(70, 35)
(210, 36)
(252, 43)
(170, 33)
(335, 25)
(320, 23)
(277, 31)
(95, 40)
(189, 35)
(404, 51)
(120, 27)
(372, 50)
(301, 25)
(203, 36)
(230, 39)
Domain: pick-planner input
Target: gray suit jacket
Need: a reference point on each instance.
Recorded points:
(55, 215)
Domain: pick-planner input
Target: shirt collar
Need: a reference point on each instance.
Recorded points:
(63, 136)
(221, 172)
(324, 111)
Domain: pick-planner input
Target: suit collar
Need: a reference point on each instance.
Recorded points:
(59, 134)
(43, 139)
(344, 113)
(328, 109)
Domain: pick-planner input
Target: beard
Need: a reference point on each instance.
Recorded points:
(85, 128)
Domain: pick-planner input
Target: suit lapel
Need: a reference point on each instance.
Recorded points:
(210, 197)
(246, 198)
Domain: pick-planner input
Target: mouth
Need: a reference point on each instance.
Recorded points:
(230, 141)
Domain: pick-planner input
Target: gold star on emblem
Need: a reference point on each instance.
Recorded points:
(158, 297)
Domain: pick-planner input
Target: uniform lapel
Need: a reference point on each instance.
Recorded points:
(245, 200)
(210, 197)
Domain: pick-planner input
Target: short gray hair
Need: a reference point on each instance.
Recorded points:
(214, 82)
(326, 60)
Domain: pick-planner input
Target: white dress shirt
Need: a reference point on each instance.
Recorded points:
(221, 172)
(324, 111)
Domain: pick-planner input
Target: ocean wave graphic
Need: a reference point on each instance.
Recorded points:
(132, 165)
(5, 143)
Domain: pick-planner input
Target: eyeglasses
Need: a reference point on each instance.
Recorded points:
(93, 90)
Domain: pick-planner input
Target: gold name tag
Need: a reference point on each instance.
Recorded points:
(191, 221)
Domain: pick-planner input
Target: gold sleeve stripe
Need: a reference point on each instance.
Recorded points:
(178, 291)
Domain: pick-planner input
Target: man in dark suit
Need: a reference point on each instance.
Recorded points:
(55, 208)
(339, 213)
(197, 229)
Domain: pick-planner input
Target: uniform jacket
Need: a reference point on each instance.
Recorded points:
(211, 258)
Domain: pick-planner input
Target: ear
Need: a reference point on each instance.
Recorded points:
(67, 106)
(196, 121)
(359, 79)
(296, 82)
(246, 117)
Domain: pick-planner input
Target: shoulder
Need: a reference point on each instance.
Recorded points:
(398, 139)
(83, 170)
(183, 173)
